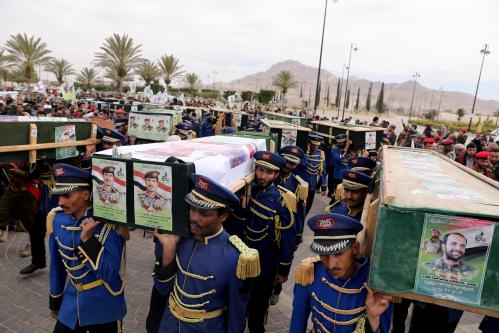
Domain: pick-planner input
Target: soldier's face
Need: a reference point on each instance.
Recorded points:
(455, 247)
(494, 158)
(108, 178)
(205, 222)
(355, 199)
(428, 146)
(341, 265)
(264, 176)
(74, 202)
(151, 184)
(482, 163)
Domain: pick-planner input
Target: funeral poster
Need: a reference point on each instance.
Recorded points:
(109, 189)
(153, 195)
(64, 134)
(453, 257)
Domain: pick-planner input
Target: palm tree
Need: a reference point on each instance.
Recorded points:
(118, 56)
(60, 68)
(25, 53)
(284, 80)
(193, 82)
(148, 71)
(170, 67)
(87, 77)
(4, 67)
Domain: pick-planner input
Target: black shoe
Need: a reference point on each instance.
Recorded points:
(30, 269)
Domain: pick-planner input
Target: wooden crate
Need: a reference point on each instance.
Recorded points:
(422, 190)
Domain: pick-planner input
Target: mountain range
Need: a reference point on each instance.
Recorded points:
(397, 96)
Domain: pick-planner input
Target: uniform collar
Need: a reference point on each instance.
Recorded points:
(214, 236)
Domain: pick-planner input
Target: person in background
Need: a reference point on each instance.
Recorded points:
(467, 158)
(458, 150)
(462, 137)
(482, 164)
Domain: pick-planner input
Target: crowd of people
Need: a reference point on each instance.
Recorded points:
(226, 274)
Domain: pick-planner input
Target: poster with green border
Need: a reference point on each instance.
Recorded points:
(109, 189)
(64, 134)
(453, 258)
(153, 195)
(288, 137)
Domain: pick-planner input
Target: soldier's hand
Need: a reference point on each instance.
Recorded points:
(53, 314)
(89, 150)
(281, 279)
(170, 243)
(376, 304)
(88, 228)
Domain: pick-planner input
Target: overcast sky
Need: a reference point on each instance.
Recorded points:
(441, 39)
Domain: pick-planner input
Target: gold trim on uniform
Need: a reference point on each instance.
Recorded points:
(65, 256)
(77, 277)
(189, 274)
(267, 165)
(256, 239)
(344, 290)
(210, 292)
(77, 267)
(334, 321)
(255, 231)
(211, 201)
(335, 310)
(63, 246)
(262, 206)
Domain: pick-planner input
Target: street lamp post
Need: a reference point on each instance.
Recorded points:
(353, 47)
(214, 73)
(415, 76)
(440, 102)
(317, 97)
(341, 90)
(484, 52)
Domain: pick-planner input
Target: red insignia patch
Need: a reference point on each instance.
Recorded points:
(294, 150)
(203, 184)
(325, 223)
(266, 156)
(354, 161)
(352, 175)
(59, 172)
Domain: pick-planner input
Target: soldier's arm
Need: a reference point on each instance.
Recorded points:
(301, 309)
(288, 239)
(57, 275)
(323, 175)
(238, 293)
(164, 272)
(103, 254)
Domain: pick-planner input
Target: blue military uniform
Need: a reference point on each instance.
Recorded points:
(207, 126)
(296, 185)
(270, 230)
(313, 170)
(205, 285)
(352, 181)
(334, 304)
(339, 158)
(94, 293)
(112, 137)
(185, 128)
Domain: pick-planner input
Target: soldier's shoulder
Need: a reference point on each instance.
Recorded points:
(248, 262)
(305, 272)
(51, 217)
(334, 206)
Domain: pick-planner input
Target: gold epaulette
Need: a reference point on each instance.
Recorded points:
(289, 198)
(339, 194)
(248, 265)
(302, 191)
(305, 273)
(49, 222)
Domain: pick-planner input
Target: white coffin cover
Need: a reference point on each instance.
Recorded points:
(226, 159)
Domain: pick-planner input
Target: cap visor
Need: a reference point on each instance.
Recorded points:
(61, 189)
(327, 247)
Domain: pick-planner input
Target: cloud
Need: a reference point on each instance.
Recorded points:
(439, 38)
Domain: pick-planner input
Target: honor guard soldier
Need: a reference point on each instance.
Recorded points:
(340, 154)
(87, 253)
(331, 287)
(293, 156)
(313, 169)
(184, 130)
(111, 138)
(203, 276)
(357, 163)
(269, 229)
(356, 186)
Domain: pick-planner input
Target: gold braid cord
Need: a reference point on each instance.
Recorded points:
(248, 264)
(344, 290)
(338, 311)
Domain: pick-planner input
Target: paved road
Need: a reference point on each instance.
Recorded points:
(24, 300)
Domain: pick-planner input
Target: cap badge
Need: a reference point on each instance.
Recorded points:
(59, 172)
(325, 223)
(203, 184)
(352, 175)
(266, 156)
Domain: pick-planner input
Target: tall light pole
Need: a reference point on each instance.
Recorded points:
(484, 52)
(440, 103)
(214, 73)
(353, 47)
(317, 97)
(341, 90)
(415, 76)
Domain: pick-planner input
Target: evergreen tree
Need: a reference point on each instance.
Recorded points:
(368, 101)
(348, 99)
(338, 94)
(327, 96)
(381, 96)
(301, 91)
(358, 100)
